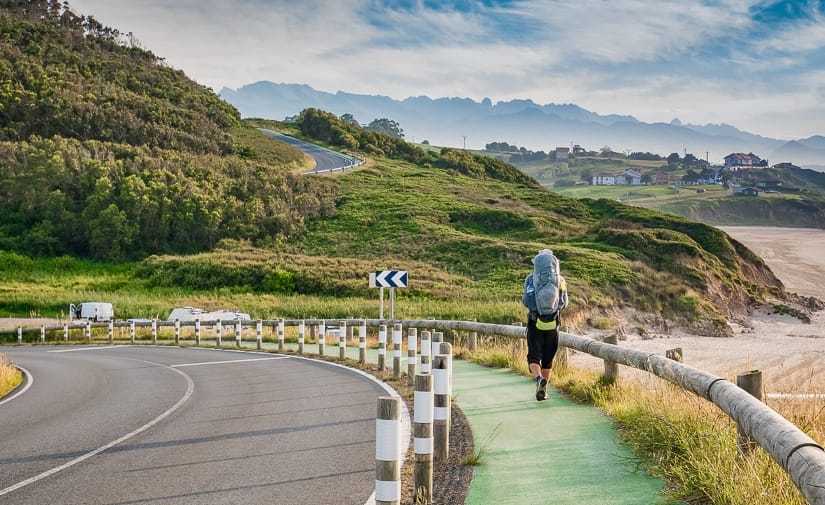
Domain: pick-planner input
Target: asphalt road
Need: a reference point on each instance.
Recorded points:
(325, 159)
(164, 425)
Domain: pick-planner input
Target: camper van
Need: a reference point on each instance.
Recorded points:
(192, 313)
(97, 312)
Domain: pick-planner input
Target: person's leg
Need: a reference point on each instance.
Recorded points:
(549, 347)
(535, 347)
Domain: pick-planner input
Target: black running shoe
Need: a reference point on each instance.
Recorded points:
(541, 389)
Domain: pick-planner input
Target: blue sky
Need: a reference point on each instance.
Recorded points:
(757, 65)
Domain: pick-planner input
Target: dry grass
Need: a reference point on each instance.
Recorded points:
(10, 376)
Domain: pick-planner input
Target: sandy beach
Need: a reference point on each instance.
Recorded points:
(790, 353)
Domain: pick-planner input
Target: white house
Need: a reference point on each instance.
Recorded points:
(629, 176)
(604, 180)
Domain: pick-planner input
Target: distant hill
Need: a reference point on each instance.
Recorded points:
(447, 121)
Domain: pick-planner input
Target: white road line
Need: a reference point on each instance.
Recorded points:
(189, 390)
(29, 382)
(92, 348)
(227, 361)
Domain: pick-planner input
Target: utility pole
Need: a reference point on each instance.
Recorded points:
(465, 142)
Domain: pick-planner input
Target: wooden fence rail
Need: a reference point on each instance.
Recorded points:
(799, 455)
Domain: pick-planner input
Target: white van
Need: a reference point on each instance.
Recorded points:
(98, 312)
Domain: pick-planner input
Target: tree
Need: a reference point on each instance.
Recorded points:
(387, 127)
(690, 161)
(673, 161)
(350, 119)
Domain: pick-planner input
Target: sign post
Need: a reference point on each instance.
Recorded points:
(387, 279)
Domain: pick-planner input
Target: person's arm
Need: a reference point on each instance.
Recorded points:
(562, 294)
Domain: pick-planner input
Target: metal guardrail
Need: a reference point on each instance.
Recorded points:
(795, 452)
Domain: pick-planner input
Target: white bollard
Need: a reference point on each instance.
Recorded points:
(423, 437)
(342, 339)
(362, 342)
(238, 332)
(132, 332)
(218, 333)
(281, 335)
(426, 349)
(388, 451)
(197, 332)
(382, 347)
(154, 331)
(322, 330)
(89, 331)
(42, 333)
(259, 334)
(111, 332)
(65, 332)
(301, 330)
(412, 347)
(438, 337)
(396, 350)
(19, 334)
(177, 331)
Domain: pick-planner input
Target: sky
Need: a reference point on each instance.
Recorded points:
(758, 65)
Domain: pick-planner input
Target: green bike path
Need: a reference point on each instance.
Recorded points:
(553, 451)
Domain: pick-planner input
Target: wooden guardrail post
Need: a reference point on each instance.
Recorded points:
(423, 439)
(259, 334)
(19, 334)
(752, 383)
(301, 331)
(281, 335)
(388, 451)
(675, 354)
(88, 331)
(472, 339)
(42, 333)
(177, 331)
(382, 347)
(412, 347)
(238, 332)
(611, 368)
(154, 331)
(396, 350)
(426, 350)
(438, 337)
(197, 332)
(65, 332)
(362, 342)
(442, 402)
(218, 333)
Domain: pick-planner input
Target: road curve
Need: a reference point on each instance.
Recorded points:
(165, 425)
(325, 160)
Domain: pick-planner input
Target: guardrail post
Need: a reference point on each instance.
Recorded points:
(752, 383)
(396, 350)
(438, 337)
(218, 333)
(19, 334)
(322, 330)
(259, 334)
(412, 346)
(154, 331)
(65, 332)
(426, 350)
(197, 332)
(442, 402)
(423, 439)
(301, 330)
(611, 368)
(388, 451)
(131, 332)
(342, 339)
(382, 346)
(88, 331)
(42, 333)
(362, 342)
(281, 335)
(675, 354)
(238, 332)
(177, 331)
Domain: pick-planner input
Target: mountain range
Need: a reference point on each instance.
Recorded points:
(463, 122)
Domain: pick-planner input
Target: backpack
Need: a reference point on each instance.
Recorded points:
(541, 288)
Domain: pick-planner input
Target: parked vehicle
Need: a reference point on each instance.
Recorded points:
(97, 312)
(192, 313)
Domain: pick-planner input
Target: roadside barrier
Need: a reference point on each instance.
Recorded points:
(796, 453)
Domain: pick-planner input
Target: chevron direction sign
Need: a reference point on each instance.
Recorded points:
(388, 279)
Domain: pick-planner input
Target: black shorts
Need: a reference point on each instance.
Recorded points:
(542, 345)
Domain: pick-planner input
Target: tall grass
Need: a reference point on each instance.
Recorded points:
(10, 376)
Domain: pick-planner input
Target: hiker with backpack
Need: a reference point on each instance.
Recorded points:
(544, 295)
